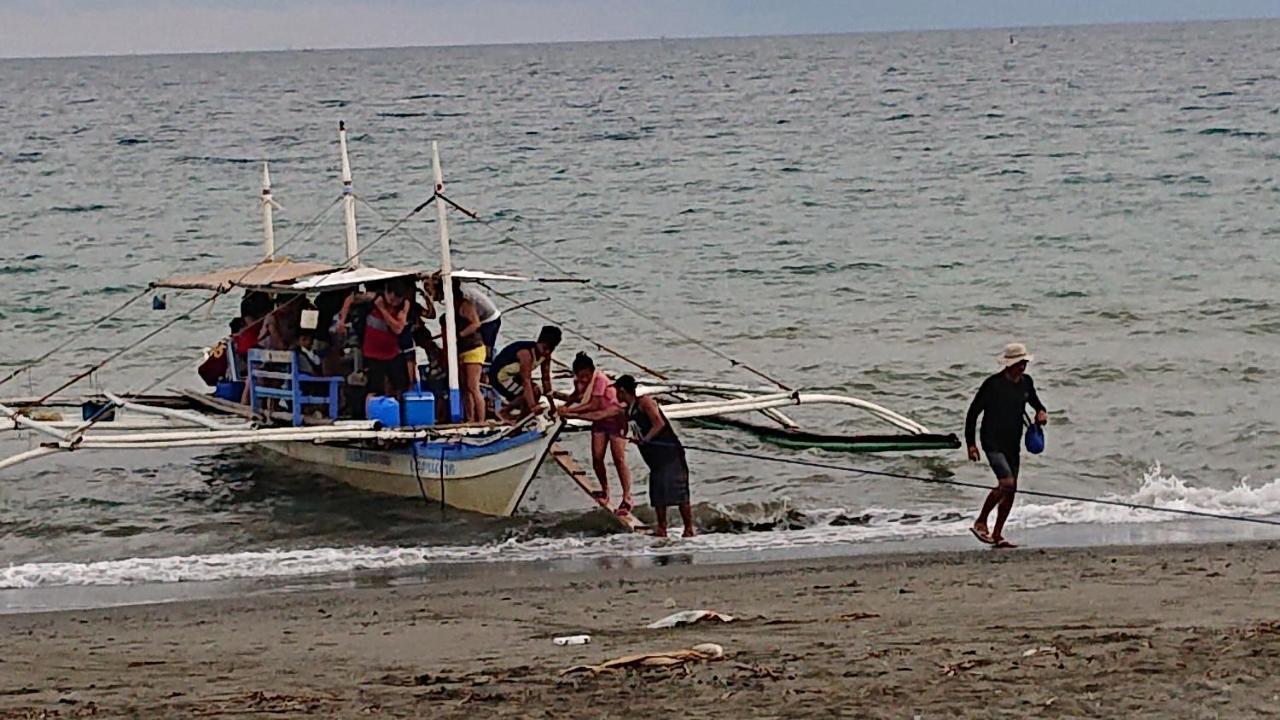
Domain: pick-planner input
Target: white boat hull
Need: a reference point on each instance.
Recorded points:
(490, 484)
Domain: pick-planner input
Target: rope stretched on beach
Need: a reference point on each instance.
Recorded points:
(977, 486)
(734, 362)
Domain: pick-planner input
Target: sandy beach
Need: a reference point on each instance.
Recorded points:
(1186, 631)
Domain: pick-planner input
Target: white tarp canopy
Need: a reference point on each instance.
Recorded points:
(481, 275)
(348, 278)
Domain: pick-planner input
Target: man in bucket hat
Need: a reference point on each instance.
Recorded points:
(1002, 401)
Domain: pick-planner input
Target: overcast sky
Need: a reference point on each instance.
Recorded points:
(92, 27)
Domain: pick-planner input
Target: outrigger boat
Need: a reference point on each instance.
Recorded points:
(484, 468)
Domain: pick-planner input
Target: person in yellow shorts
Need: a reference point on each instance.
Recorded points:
(471, 355)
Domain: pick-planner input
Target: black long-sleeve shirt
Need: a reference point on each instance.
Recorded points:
(1001, 404)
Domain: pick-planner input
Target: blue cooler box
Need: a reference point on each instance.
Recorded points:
(419, 409)
(385, 410)
(229, 390)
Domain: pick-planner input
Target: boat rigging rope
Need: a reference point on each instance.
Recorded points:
(523, 306)
(308, 226)
(978, 486)
(74, 337)
(734, 362)
(397, 224)
(569, 329)
(102, 363)
(394, 226)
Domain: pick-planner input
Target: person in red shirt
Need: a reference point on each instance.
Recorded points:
(385, 370)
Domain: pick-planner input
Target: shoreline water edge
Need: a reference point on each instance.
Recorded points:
(1186, 630)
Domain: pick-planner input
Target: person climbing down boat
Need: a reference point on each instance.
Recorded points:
(662, 452)
(511, 372)
(595, 399)
(1002, 400)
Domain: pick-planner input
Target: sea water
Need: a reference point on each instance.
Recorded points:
(867, 214)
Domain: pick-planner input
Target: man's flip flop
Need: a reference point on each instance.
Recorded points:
(982, 537)
(623, 509)
(1003, 545)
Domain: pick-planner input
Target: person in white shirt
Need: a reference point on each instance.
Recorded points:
(490, 315)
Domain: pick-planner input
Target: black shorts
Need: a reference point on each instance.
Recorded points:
(387, 377)
(1004, 463)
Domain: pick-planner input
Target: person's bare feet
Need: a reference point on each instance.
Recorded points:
(660, 532)
(690, 532)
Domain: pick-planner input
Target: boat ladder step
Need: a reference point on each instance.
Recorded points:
(564, 458)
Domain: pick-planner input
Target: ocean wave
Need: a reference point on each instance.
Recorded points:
(744, 528)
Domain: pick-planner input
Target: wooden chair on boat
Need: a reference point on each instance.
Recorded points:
(292, 384)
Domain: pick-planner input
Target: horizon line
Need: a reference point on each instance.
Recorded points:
(595, 41)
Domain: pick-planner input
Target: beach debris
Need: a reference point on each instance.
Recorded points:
(855, 616)
(688, 617)
(760, 671)
(571, 640)
(670, 659)
(953, 669)
(669, 603)
(1054, 650)
(1263, 628)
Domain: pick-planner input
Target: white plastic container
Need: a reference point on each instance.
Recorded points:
(572, 640)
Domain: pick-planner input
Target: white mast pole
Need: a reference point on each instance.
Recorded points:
(446, 285)
(348, 200)
(268, 223)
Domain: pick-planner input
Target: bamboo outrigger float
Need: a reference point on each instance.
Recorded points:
(484, 467)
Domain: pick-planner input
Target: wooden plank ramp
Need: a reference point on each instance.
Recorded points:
(587, 482)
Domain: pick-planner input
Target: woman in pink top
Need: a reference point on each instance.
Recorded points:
(595, 399)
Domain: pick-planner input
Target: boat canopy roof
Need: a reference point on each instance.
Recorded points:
(348, 278)
(288, 276)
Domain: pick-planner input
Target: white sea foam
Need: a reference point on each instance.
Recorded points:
(820, 527)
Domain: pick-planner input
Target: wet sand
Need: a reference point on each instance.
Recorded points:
(1186, 631)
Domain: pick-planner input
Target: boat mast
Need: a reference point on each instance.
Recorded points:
(348, 200)
(268, 224)
(446, 289)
